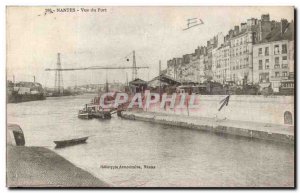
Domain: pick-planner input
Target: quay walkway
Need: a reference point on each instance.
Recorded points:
(266, 131)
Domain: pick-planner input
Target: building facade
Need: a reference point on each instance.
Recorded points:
(272, 62)
(222, 64)
(258, 51)
(174, 67)
(241, 56)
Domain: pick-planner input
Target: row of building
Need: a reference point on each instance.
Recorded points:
(259, 51)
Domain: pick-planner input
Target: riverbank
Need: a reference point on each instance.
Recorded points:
(41, 167)
(265, 131)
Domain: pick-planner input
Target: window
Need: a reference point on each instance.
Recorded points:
(284, 74)
(260, 65)
(245, 61)
(267, 77)
(276, 74)
(276, 49)
(253, 38)
(264, 77)
(267, 64)
(284, 49)
(276, 63)
(266, 51)
(260, 51)
(284, 62)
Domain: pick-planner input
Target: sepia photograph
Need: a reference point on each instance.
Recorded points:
(150, 96)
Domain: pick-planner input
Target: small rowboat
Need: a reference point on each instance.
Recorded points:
(65, 143)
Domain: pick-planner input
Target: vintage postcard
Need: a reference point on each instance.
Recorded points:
(150, 96)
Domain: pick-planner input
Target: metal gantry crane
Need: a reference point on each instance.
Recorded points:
(59, 69)
(96, 68)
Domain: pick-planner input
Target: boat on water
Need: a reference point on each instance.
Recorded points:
(101, 115)
(93, 111)
(24, 91)
(84, 114)
(70, 142)
(87, 112)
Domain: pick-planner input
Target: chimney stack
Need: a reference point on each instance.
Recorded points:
(236, 29)
(208, 43)
(243, 27)
(265, 17)
(283, 25)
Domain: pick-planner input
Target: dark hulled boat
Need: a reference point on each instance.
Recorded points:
(84, 114)
(70, 142)
(92, 111)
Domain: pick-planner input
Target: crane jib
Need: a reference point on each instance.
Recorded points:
(94, 68)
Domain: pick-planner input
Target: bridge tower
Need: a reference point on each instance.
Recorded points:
(59, 88)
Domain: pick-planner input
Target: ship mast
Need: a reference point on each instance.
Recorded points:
(134, 70)
(106, 85)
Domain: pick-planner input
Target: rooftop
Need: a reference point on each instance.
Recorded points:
(276, 34)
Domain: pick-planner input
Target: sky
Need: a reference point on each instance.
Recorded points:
(108, 39)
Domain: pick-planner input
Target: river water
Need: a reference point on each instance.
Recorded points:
(181, 157)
